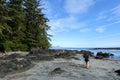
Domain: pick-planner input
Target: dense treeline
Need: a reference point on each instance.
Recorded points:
(23, 25)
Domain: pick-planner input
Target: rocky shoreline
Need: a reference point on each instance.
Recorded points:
(60, 64)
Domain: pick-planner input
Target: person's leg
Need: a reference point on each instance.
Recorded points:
(87, 64)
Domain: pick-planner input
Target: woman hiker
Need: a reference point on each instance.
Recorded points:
(86, 57)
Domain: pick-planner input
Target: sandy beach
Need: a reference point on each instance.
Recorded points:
(69, 70)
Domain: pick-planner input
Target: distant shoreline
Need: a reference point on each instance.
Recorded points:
(96, 48)
(106, 48)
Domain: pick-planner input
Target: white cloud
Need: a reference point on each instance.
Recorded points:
(102, 28)
(47, 6)
(102, 15)
(110, 14)
(116, 11)
(66, 24)
(78, 6)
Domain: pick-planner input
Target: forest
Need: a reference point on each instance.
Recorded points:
(23, 25)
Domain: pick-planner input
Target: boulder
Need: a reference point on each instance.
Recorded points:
(118, 71)
(101, 55)
(65, 55)
(88, 52)
(40, 54)
(57, 71)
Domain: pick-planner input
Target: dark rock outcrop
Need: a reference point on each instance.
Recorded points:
(88, 52)
(10, 66)
(40, 54)
(118, 71)
(57, 71)
(12, 56)
(64, 55)
(49, 54)
(101, 55)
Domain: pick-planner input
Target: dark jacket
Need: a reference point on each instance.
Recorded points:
(86, 57)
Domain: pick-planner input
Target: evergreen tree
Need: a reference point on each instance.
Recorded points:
(23, 26)
(17, 15)
(2, 22)
(5, 29)
(36, 27)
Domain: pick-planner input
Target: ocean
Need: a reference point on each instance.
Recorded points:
(115, 51)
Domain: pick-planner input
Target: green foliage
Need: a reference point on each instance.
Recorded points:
(21, 47)
(8, 45)
(36, 27)
(23, 25)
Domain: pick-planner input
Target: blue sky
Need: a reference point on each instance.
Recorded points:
(83, 23)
